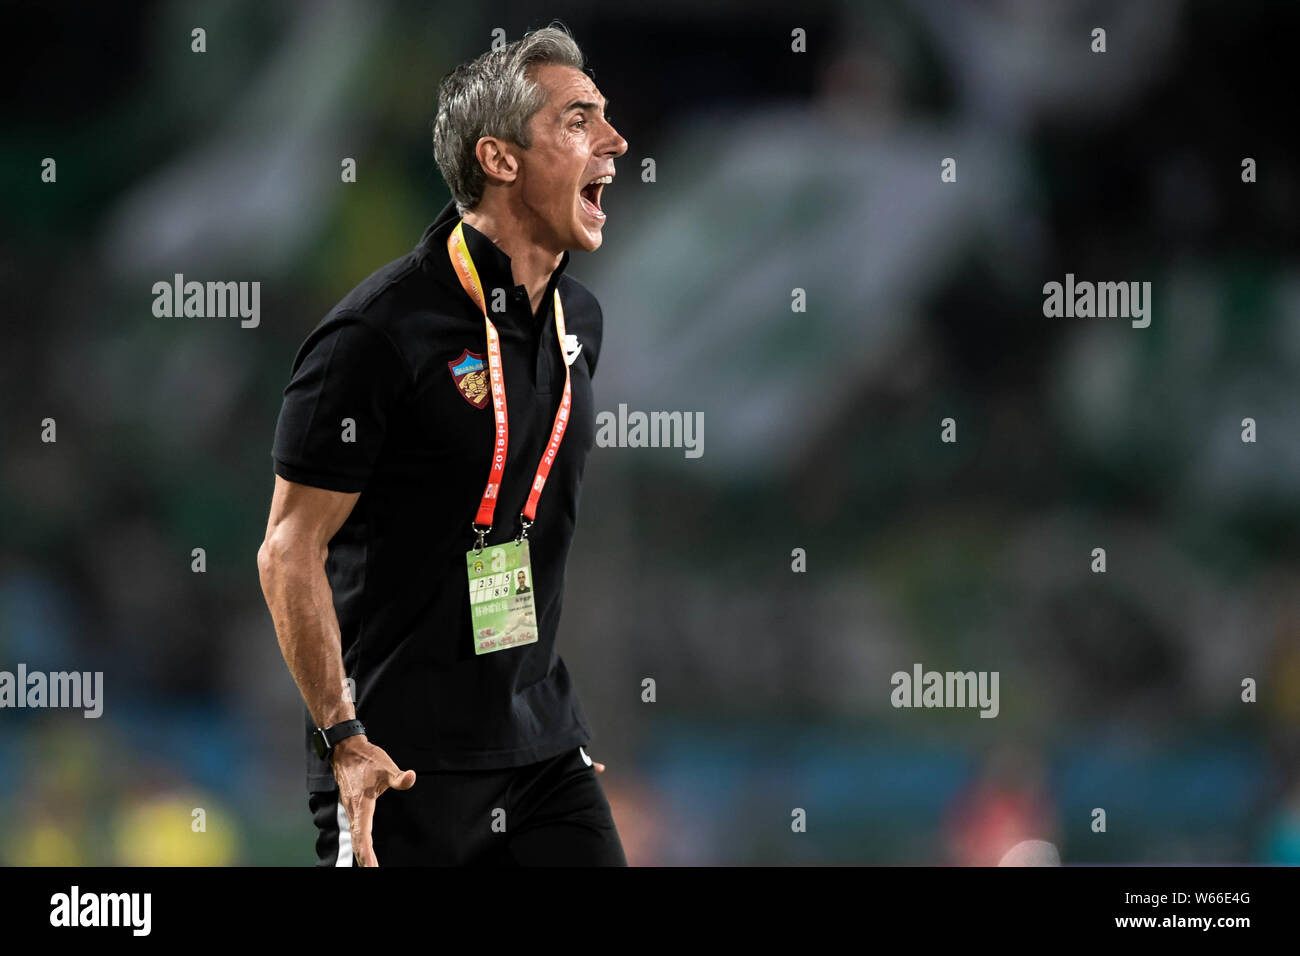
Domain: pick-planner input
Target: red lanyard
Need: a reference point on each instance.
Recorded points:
(469, 280)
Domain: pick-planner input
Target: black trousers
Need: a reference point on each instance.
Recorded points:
(552, 813)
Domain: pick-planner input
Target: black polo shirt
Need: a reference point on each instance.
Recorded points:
(399, 357)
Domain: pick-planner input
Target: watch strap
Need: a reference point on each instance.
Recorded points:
(327, 738)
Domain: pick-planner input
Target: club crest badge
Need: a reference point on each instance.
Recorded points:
(470, 374)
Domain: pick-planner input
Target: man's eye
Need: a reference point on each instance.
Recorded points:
(580, 122)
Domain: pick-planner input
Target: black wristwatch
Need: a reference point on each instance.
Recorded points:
(324, 740)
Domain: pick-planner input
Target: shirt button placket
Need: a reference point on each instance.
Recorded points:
(545, 333)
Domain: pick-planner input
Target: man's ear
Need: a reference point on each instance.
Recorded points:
(498, 161)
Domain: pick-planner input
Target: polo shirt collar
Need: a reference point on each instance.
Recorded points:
(492, 264)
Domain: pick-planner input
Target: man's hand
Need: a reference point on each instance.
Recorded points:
(363, 772)
(598, 767)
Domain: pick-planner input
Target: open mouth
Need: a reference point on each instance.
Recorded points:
(590, 196)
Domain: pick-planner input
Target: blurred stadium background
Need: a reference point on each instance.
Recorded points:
(775, 170)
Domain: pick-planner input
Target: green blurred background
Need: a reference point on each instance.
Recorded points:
(774, 170)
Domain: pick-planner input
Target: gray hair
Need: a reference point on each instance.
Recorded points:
(493, 95)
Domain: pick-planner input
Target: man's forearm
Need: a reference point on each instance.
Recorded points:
(306, 625)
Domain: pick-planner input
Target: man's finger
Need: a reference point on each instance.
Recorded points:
(401, 779)
(361, 827)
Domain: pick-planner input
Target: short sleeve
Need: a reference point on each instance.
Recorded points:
(346, 378)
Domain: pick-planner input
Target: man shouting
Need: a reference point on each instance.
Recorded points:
(429, 453)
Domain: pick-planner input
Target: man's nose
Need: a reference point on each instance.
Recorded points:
(617, 145)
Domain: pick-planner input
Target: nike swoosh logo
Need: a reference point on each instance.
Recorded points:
(572, 349)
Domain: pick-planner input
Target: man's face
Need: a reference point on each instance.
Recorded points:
(572, 145)
(521, 579)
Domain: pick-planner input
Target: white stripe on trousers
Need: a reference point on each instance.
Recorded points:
(345, 836)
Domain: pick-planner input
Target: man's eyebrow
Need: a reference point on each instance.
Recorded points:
(585, 105)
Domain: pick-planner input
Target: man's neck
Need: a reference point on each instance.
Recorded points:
(531, 263)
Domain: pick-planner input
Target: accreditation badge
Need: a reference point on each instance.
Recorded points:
(501, 609)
